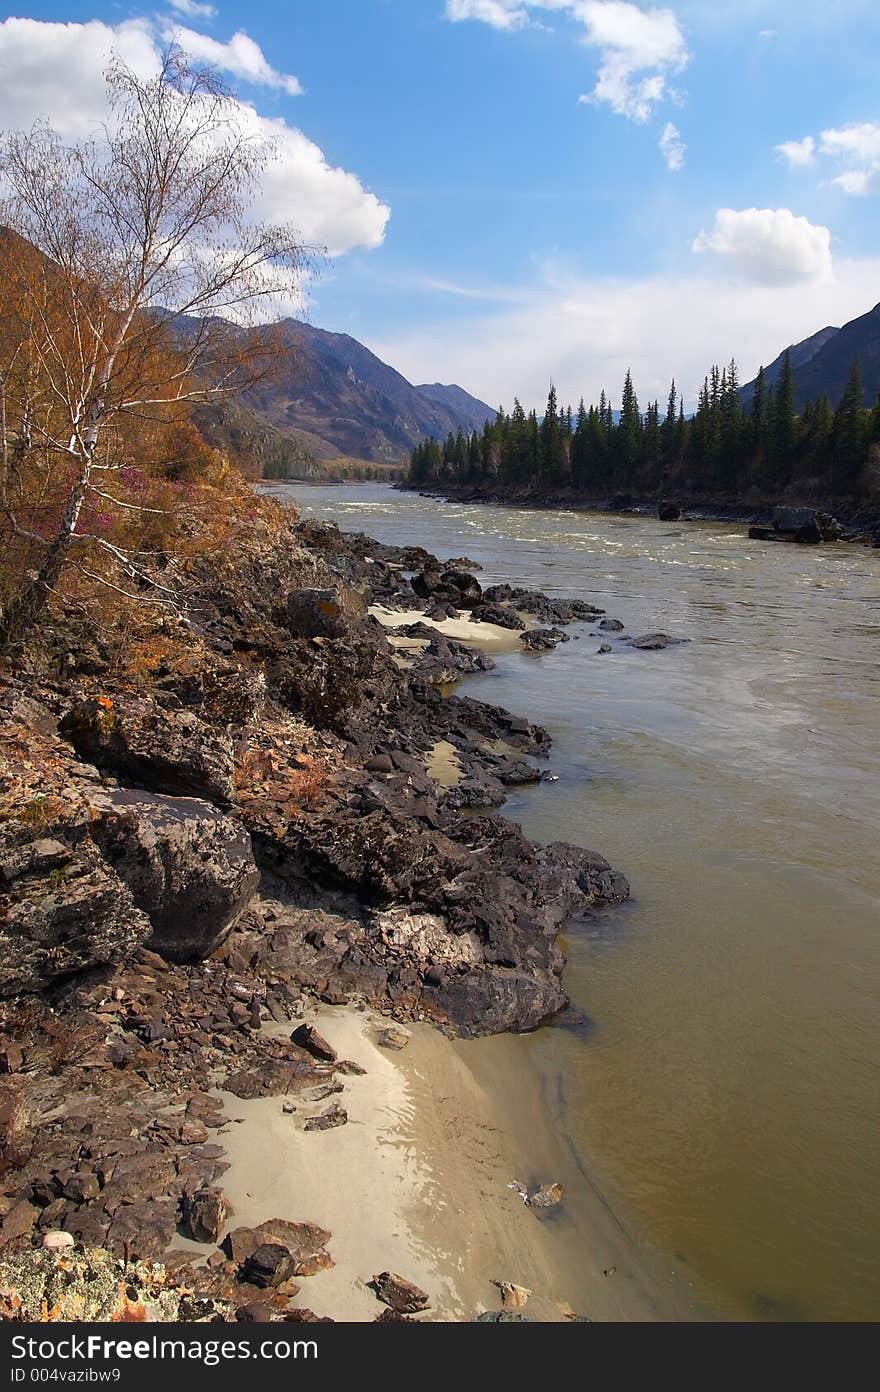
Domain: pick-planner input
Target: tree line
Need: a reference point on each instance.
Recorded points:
(722, 449)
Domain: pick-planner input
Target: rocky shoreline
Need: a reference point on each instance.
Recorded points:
(199, 847)
(805, 523)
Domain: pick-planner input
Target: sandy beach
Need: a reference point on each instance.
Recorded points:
(417, 1183)
(488, 637)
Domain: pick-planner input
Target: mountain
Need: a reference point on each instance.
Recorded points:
(337, 398)
(472, 413)
(823, 362)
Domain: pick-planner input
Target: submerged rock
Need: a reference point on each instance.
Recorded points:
(652, 642)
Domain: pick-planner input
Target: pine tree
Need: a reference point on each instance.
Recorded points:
(628, 430)
(783, 420)
(669, 420)
(850, 428)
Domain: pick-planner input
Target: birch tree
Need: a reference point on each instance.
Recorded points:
(132, 263)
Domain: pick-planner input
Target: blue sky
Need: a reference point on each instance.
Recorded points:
(537, 189)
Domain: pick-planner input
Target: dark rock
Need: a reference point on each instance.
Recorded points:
(165, 751)
(11, 1057)
(323, 613)
(333, 1116)
(53, 928)
(205, 1214)
(402, 1296)
(268, 1265)
(308, 1038)
(668, 511)
(18, 1222)
(81, 1186)
(255, 1312)
(189, 867)
(379, 763)
(651, 642)
(498, 614)
(142, 1230)
(540, 639)
(611, 625)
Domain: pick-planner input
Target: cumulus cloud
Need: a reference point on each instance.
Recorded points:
(638, 48)
(769, 246)
(672, 147)
(193, 9)
(586, 332)
(57, 71)
(239, 56)
(798, 152)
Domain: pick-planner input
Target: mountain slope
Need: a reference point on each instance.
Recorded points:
(335, 389)
(801, 353)
(823, 362)
(472, 413)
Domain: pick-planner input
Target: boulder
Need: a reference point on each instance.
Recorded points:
(268, 1265)
(542, 639)
(668, 511)
(451, 586)
(308, 1038)
(63, 909)
(205, 1214)
(304, 1242)
(188, 867)
(805, 525)
(652, 642)
(324, 613)
(164, 751)
(400, 1294)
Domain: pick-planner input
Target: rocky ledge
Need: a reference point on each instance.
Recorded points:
(198, 847)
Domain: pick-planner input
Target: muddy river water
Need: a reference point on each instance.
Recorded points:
(720, 1073)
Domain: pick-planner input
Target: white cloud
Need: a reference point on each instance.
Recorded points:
(768, 246)
(855, 147)
(239, 56)
(672, 147)
(798, 152)
(586, 332)
(638, 48)
(856, 182)
(193, 9)
(57, 71)
(501, 14)
(858, 147)
(631, 42)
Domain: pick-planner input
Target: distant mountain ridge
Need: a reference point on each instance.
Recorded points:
(339, 399)
(822, 363)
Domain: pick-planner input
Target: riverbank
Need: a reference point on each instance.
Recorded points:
(857, 525)
(419, 1181)
(195, 852)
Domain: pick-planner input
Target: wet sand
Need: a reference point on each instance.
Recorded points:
(417, 1183)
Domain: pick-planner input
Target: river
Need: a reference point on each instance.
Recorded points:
(720, 1075)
